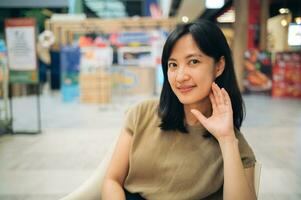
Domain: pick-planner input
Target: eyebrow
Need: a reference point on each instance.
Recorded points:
(188, 56)
(194, 55)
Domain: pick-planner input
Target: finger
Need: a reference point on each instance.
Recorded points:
(227, 98)
(218, 95)
(199, 116)
(212, 100)
(214, 94)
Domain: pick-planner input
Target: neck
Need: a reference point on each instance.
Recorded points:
(204, 107)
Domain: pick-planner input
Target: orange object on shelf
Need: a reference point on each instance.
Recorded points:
(287, 75)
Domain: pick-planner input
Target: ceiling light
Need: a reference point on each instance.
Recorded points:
(214, 4)
(298, 20)
(284, 10)
(185, 19)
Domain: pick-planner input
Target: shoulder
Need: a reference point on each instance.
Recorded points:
(141, 115)
(145, 107)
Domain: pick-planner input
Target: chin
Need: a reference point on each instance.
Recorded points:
(187, 99)
(191, 99)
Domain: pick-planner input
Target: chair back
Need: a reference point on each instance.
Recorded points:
(257, 173)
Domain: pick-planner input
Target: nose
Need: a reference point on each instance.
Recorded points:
(182, 74)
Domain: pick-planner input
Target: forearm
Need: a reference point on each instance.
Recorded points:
(236, 185)
(112, 190)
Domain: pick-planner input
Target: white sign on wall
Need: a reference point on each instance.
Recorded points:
(21, 48)
(294, 35)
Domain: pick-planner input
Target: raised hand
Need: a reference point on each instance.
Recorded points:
(220, 123)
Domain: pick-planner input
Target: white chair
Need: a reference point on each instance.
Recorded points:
(90, 190)
(257, 172)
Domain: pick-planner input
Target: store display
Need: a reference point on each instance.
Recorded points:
(93, 58)
(133, 48)
(258, 71)
(131, 39)
(70, 60)
(95, 79)
(287, 75)
(135, 56)
(95, 87)
(132, 80)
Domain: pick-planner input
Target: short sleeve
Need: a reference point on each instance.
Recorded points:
(139, 115)
(246, 153)
(130, 118)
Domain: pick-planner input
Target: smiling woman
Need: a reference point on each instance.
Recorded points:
(208, 58)
(187, 145)
(192, 73)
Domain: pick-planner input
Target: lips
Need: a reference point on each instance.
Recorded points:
(185, 89)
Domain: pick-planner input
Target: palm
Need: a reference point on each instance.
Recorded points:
(220, 123)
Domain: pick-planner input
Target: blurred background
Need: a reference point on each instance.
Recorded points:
(69, 69)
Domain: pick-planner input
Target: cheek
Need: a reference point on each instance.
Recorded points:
(204, 76)
(204, 80)
(170, 77)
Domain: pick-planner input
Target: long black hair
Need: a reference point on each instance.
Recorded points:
(212, 42)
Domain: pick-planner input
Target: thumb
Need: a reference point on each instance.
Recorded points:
(199, 116)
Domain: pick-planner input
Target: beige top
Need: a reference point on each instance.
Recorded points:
(167, 165)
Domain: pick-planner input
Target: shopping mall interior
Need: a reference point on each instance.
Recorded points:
(71, 69)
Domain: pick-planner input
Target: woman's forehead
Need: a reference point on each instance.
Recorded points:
(186, 44)
(186, 49)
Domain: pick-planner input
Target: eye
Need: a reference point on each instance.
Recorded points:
(172, 64)
(194, 61)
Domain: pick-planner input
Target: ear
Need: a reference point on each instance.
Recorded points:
(219, 67)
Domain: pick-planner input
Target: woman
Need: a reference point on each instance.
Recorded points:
(187, 145)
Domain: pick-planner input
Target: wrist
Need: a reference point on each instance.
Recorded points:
(228, 145)
(227, 140)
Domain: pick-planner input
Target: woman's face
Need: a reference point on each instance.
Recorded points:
(190, 71)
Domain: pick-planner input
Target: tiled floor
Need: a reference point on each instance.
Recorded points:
(76, 137)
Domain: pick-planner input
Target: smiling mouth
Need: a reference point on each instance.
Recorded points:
(186, 89)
